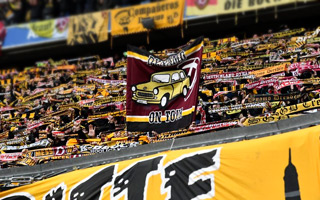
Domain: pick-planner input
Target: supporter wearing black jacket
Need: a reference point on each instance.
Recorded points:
(34, 135)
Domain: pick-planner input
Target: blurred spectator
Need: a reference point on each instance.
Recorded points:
(20, 11)
(36, 7)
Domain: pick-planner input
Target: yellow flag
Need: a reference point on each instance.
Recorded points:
(165, 14)
(88, 28)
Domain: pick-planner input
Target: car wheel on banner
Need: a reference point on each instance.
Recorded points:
(164, 101)
(185, 91)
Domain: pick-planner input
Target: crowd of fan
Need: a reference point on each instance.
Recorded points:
(81, 104)
(43, 118)
(20, 11)
(284, 49)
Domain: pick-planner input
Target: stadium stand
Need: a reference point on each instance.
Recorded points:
(79, 105)
(61, 115)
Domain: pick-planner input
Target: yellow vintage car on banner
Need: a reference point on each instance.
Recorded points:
(163, 87)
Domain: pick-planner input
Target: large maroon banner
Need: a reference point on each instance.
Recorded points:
(162, 93)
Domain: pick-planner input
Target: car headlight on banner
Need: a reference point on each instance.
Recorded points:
(133, 88)
(156, 91)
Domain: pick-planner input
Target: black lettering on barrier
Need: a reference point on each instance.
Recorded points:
(239, 5)
(232, 4)
(133, 181)
(176, 5)
(182, 178)
(227, 5)
(268, 119)
(93, 186)
(18, 196)
(283, 111)
(312, 103)
(57, 193)
(306, 104)
(253, 121)
(293, 108)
